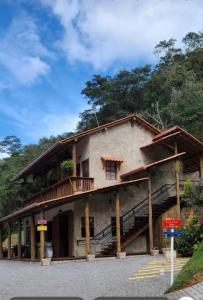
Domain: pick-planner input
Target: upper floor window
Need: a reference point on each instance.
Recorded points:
(111, 170)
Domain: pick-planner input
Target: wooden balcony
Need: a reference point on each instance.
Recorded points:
(64, 187)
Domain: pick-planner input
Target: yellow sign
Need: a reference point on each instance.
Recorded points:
(41, 228)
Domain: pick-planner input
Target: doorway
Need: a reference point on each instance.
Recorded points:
(62, 234)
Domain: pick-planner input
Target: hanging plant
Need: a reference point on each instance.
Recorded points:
(67, 165)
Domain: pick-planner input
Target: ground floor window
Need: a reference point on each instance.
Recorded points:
(91, 221)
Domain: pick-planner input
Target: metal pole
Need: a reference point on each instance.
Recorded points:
(172, 257)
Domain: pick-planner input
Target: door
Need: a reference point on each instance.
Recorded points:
(62, 235)
(56, 237)
(85, 168)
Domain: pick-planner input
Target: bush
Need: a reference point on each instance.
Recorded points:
(192, 236)
(67, 165)
(187, 193)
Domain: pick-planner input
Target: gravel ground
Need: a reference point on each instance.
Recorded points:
(88, 280)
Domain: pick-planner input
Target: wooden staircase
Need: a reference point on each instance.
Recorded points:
(135, 221)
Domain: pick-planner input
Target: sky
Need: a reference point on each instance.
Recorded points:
(50, 48)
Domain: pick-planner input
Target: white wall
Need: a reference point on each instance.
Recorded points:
(123, 141)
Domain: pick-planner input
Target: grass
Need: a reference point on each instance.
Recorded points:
(191, 273)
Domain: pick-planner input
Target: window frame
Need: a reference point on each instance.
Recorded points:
(91, 222)
(111, 170)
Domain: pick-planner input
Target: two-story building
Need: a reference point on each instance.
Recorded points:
(125, 175)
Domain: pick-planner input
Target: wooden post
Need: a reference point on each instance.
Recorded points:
(9, 240)
(74, 159)
(32, 233)
(118, 225)
(177, 175)
(19, 239)
(150, 220)
(87, 227)
(42, 239)
(201, 169)
(1, 241)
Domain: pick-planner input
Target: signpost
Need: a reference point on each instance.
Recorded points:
(41, 228)
(42, 222)
(172, 224)
(42, 225)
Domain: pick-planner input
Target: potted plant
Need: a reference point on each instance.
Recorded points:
(154, 251)
(67, 166)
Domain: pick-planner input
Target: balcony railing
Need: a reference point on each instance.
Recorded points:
(67, 186)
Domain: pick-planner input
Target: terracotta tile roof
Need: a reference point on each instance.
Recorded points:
(150, 166)
(111, 158)
(60, 145)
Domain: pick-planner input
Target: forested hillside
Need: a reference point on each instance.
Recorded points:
(168, 93)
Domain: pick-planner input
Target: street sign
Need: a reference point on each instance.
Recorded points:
(174, 234)
(41, 228)
(172, 223)
(42, 222)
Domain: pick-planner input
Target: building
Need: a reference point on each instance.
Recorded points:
(125, 175)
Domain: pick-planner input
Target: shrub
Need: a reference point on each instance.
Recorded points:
(67, 165)
(187, 190)
(192, 236)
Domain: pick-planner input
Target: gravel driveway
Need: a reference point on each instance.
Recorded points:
(88, 280)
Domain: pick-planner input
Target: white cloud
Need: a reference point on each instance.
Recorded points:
(103, 32)
(35, 122)
(21, 51)
(3, 155)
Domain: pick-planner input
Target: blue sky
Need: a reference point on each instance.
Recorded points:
(50, 48)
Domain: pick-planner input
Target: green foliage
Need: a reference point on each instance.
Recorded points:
(67, 165)
(192, 236)
(201, 196)
(193, 267)
(187, 189)
(169, 94)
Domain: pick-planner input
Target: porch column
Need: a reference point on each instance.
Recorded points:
(118, 224)
(1, 241)
(150, 213)
(32, 237)
(87, 227)
(201, 169)
(19, 239)
(74, 159)
(42, 239)
(177, 175)
(9, 241)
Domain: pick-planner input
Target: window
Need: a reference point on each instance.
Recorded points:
(111, 170)
(91, 220)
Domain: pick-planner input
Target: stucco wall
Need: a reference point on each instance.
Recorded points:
(123, 141)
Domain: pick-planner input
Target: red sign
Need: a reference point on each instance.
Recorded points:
(172, 223)
(42, 222)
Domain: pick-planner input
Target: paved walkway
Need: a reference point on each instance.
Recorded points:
(196, 292)
(158, 267)
(88, 280)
